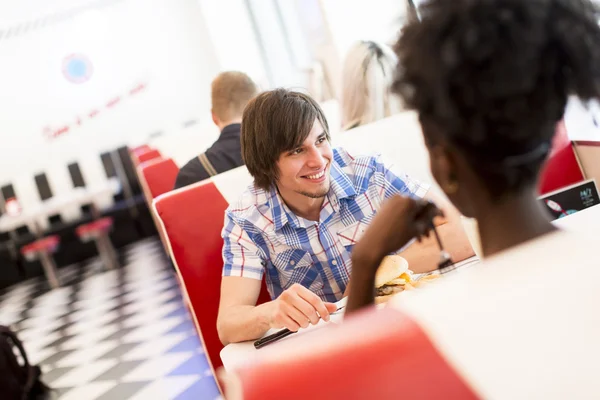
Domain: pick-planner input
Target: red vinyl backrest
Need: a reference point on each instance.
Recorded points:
(160, 175)
(192, 220)
(562, 168)
(375, 354)
(146, 156)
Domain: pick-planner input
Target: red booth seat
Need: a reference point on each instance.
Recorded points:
(377, 354)
(159, 175)
(562, 168)
(191, 220)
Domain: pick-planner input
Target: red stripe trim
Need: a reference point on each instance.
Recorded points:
(370, 204)
(243, 255)
(346, 237)
(240, 209)
(267, 218)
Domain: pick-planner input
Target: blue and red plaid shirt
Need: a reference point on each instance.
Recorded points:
(262, 235)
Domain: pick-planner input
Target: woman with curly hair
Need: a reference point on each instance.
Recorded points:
(489, 80)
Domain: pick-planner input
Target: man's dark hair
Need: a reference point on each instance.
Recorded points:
(492, 78)
(275, 122)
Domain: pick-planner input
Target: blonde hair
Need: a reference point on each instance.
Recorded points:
(368, 73)
(230, 92)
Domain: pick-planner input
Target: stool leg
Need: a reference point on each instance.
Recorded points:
(50, 269)
(106, 251)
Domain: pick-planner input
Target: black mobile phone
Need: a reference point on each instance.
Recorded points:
(272, 338)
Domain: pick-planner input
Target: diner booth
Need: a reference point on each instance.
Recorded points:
(399, 141)
(126, 194)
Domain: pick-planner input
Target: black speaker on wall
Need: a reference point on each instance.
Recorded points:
(43, 186)
(109, 165)
(76, 175)
(8, 191)
(79, 181)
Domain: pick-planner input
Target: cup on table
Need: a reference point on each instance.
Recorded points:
(472, 230)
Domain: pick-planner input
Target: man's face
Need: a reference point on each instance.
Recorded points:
(305, 170)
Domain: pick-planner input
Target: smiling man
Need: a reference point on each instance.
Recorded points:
(297, 224)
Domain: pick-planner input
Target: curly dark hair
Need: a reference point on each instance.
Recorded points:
(492, 78)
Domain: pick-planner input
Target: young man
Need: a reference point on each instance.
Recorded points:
(230, 92)
(298, 223)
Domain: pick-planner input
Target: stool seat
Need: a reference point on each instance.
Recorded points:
(42, 249)
(98, 232)
(94, 229)
(47, 245)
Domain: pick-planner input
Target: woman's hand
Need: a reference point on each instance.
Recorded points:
(399, 220)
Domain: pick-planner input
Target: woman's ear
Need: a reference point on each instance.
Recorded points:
(444, 169)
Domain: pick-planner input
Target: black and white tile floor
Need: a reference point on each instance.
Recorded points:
(123, 334)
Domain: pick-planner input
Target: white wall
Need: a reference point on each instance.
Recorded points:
(163, 43)
(582, 120)
(353, 20)
(230, 29)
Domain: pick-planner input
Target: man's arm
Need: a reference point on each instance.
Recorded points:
(240, 318)
(425, 256)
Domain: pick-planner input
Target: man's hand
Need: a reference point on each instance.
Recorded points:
(297, 307)
(399, 220)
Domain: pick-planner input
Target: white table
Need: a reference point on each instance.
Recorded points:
(78, 196)
(236, 354)
(586, 221)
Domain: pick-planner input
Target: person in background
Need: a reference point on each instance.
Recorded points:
(230, 92)
(368, 73)
(488, 101)
(297, 224)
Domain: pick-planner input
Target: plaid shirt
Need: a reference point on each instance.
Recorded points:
(262, 235)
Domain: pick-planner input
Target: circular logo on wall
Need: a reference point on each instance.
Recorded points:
(77, 68)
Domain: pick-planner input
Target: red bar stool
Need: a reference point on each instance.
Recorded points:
(98, 232)
(42, 249)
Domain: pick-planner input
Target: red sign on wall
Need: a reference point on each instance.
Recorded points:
(53, 133)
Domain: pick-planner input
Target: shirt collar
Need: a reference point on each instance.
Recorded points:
(282, 214)
(341, 184)
(341, 188)
(231, 130)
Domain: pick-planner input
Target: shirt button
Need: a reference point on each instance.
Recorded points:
(333, 262)
(293, 262)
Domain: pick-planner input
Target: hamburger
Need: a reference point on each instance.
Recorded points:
(392, 276)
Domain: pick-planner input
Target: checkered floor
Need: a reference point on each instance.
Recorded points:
(122, 334)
